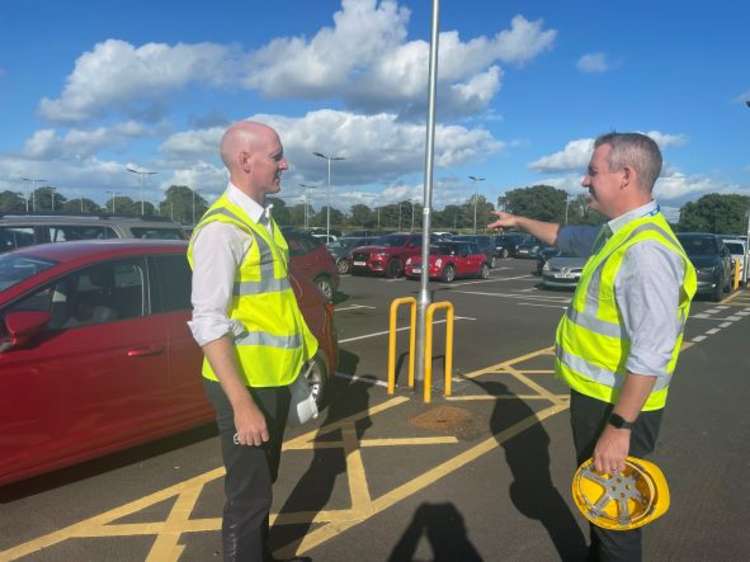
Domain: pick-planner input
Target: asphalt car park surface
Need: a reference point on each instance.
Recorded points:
(483, 475)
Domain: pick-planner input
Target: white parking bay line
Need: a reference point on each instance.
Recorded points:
(542, 305)
(367, 380)
(353, 307)
(383, 333)
(725, 325)
(723, 307)
(494, 280)
(733, 318)
(713, 331)
(525, 297)
(697, 339)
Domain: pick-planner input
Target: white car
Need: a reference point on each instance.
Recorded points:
(738, 249)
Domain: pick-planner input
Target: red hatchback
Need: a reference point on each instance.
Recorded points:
(96, 355)
(449, 260)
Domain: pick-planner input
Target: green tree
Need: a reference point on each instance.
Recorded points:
(540, 202)
(12, 202)
(123, 206)
(74, 206)
(178, 204)
(362, 216)
(280, 211)
(42, 199)
(579, 211)
(717, 213)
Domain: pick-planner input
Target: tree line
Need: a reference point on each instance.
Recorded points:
(714, 212)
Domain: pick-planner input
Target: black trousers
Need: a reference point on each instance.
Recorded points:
(251, 471)
(588, 417)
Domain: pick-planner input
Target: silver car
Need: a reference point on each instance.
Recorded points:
(562, 271)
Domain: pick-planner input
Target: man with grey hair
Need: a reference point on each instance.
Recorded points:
(618, 342)
(253, 335)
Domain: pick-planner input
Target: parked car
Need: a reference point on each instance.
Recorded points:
(562, 271)
(363, 234)
(17, 231)
(712, 262)
(486, 245)
(449, 260)
(325, 238)
(95, 353)
(544, 256)
(386, 255)
(506, 244)
(529, 248)
(341, 251)
(310, 259)
(738, 250)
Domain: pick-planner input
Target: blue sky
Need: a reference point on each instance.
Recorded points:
(89, 88)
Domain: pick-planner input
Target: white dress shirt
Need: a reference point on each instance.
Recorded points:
(218, 251)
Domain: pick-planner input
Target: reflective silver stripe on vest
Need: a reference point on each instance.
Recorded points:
(268, 283)
(599, 374)
(269, 340)
(594, 324)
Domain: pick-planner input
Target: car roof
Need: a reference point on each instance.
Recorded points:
(92, 249)
(99, 220)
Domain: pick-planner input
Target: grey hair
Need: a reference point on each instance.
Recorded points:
(635, 150)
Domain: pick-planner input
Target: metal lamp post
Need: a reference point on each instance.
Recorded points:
(475, 179)
(328, 206)
(114, 200)
(33, 190)
(142, 176)
(307, 187)
(52, 196)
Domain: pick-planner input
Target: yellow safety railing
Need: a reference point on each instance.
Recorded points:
(736, 284)
(449, 315)
(392, 341)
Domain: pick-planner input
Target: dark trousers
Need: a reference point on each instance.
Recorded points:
(588, 417)
(250, 473)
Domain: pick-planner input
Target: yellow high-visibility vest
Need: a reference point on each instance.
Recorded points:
(276, 341)
(591, 345)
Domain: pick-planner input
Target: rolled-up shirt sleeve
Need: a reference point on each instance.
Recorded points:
(647, 289)
(577, 240)
(217, 252)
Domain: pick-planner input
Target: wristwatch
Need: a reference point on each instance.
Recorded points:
(616, 420)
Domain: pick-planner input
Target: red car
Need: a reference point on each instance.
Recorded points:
(311, 259)
(449, 260)
(386, 255)
(95, 353)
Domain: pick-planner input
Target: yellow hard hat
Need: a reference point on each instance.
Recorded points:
(624, 501)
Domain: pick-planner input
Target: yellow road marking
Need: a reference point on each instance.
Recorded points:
(481, 397)
(166, 547)
(389, 442)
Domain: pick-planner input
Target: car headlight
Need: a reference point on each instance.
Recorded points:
(408, 261)
(546, 266)
(439, 262)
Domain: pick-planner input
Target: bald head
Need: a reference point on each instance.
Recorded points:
(253, 154)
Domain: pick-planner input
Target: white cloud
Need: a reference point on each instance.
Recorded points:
(577, 153)
(743, 97)
(116, 76)
(364, 59)
(378, 148)
(77, 143)
(593, 62)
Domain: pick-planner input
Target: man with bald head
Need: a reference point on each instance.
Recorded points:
(249, 325)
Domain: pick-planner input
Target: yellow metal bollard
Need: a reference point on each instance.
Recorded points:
(449, 315)
(736, 284)
(392, 341)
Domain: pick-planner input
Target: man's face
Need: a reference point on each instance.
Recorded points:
(267, 165)
(604, 185)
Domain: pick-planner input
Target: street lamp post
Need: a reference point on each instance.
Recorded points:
(114, 200)
(52, 196)
(33, 191)
(307, 187)
(328, 206)
(475, 179)
(411, 229)
(142, 176)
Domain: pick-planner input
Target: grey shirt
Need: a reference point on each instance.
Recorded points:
(647, 289)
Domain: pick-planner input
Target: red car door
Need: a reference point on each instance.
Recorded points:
(101, 364)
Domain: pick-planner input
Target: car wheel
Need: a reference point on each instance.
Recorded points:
(728, 284)
(492, 262)
(484, 273)
(326, 287)
(504, 253)
(343, 266)
(449, 273)
(394, 269)
(317, 378)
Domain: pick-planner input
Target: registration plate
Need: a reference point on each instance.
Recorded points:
(359, 263)
(564, 276)
(416, 270)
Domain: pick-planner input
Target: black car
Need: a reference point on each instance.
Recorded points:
(544, 256)
(530, 248)
(506, 244)
(486, 245)
(712, 262)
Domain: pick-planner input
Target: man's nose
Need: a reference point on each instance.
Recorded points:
(284, 164)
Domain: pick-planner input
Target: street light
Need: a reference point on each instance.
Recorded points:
(142, 176)
(306, 187)
(328, 207)
(33, 190)
(475, 179)
(411, 229)
(52, 196)
(114, 199)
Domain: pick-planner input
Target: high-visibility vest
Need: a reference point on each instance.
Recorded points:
(591, 344)
(276, 341)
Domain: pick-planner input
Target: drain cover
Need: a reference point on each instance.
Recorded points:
(447, 419)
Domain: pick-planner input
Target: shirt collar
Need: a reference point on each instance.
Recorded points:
(254, 210)
(650, 208)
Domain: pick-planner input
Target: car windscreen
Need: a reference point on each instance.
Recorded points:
(444, 250)
(699, 245)
(157, 233)
(15, 268)
(735, 248)
(391, 240)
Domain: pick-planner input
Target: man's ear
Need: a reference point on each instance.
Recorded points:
(628, 175)
(245, 161)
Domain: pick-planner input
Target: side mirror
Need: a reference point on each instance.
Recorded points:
(24, 325)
